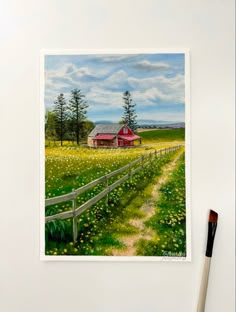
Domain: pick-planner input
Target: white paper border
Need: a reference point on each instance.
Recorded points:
(188, 257)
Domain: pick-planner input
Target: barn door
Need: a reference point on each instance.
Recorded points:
(120, 142)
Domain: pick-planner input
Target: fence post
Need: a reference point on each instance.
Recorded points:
(129, 172)
(142, 161)
(75, 224)
(107, 184)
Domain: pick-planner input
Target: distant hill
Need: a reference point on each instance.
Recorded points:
(149, 123)
(103, 122)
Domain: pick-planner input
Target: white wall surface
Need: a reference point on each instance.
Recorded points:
(206, 27)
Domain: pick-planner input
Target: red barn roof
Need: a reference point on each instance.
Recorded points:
(129, 137)
(104, 137)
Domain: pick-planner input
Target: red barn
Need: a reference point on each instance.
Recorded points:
(112, 135)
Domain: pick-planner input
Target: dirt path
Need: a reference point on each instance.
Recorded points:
(149, 210)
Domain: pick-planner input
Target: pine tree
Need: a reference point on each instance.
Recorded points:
(50, 126)
(129, 117)
(78, 112)
(60, 111)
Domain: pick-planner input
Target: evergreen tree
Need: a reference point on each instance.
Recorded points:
(50, 126)
(60, 111)
(77, 112)
(87, 127)
(129, 117)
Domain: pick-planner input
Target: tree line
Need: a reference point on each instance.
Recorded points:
(68, 121)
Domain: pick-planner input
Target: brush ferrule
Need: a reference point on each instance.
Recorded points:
(210, 239)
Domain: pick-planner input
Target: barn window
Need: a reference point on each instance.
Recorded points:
(125, 130)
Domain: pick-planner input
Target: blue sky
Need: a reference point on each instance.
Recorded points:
(155, 81)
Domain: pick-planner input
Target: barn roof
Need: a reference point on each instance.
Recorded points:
(106, 129)
(129, 137)
(104, 137)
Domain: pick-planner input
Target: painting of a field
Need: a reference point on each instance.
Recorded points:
(115, 168)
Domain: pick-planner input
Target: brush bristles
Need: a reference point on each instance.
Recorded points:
(213, 216)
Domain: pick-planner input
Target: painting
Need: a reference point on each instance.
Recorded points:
(115, 155)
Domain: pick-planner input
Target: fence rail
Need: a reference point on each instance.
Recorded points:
(72, 196)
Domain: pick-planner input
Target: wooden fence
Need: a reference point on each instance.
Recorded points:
(76, 211)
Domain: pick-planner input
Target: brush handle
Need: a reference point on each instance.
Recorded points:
(203, 289)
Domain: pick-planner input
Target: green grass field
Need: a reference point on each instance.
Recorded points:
(101, 225)
(71, 167)
(156, 136)
(169, 221)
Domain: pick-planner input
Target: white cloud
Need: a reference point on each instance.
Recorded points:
(55, 85)
(113, 58)
(117, 77)
(151, 95)
(115, 81)
(146, 65)
(104, 98)
(69, 69)
(83, 72)
(172, 82)
(162, 88)
(68, 75)
(65, 78)
(103, 93)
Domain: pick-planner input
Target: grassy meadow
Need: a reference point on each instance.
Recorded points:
(162, 135)
(169, 219)
(102, 226)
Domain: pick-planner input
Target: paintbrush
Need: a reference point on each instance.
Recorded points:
(212, 224)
